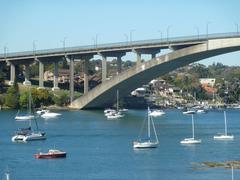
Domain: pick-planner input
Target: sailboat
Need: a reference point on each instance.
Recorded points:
(148, 143)
(115, 114)
(28, 116)
(191, 140)
(27, 134)
(224, 136)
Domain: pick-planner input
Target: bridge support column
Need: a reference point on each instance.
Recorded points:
(71, 84)
(119, 64)
(41, 74)
(153, 55)
(55, 77)
(138, 58)
(12, 74)
(86, 62)
(26, 74)
(104, 68)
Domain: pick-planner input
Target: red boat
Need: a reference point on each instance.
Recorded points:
(52, 153)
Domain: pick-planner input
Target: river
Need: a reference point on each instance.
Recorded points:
(102, 149)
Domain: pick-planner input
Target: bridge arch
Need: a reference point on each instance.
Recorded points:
(104, 94)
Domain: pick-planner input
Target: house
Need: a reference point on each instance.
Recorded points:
(207, 81)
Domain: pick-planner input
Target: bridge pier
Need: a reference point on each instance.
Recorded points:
(116, 54)
(41, 75)
(104, 66)
(139, 52)
(71, 84)
(153, 55)
(86, 63)
(119, 64)
(55, 77)
(12, 74)
(27, 81)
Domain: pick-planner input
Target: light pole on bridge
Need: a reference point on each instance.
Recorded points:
(161, 34)
(236, 24)
(207, 27)
(96, 39)
(197, 29)
(168, 29)
(34, 47)
(64, 44)
(131, 35)
(5, 50)
(126, 36)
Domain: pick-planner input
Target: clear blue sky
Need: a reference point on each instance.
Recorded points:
(49, 21)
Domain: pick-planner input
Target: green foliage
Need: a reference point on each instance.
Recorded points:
(41, 97)
(1, 82)
(61, 99)
(12, 97)
(2, 100)
(23, 100)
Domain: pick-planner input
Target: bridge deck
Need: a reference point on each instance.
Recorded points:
(120, 46)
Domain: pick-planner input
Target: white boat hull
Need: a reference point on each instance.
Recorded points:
(22, 118)
(30, 137)
(223, 137)
(147, 144)
(156, 113)
(191, 141)
(34, 137)
(18, 138)
(189, 112)
(50, 115)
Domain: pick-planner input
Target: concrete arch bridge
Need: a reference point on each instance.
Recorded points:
(104, 94)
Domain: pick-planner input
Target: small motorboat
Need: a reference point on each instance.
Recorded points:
(189, 112)
(51, 154)
(201, 111)
(48, 114)
(41, 111)
(156, 113)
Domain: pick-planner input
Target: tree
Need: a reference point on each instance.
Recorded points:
(12, 96)
(23, 100)
(1, 82)
(41, 97)
(61, 99)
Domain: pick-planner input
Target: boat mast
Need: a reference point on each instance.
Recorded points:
(29, 101)
(154, 130)
(192, 127)
(149, 123)
(117, 100)
(225, 121)
(232, 173)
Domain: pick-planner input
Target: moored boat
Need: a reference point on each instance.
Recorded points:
(149, 142)
(156, 113)
(189, 112)
(51, 154)
(48, 114)
(224, 136)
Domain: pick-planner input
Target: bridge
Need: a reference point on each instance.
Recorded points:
(184, 50)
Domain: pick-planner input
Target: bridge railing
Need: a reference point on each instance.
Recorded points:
(129, 44)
